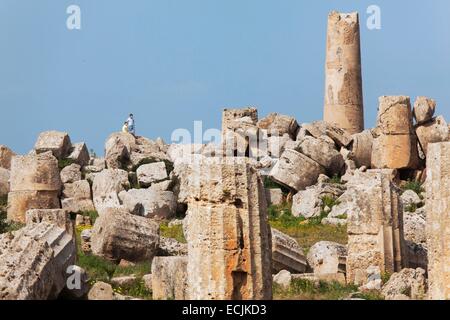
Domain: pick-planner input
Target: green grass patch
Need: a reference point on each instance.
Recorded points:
(139, 270)
(415, 186)
(93, 215)
(136, 289)
(336, 179)
(8, 226)
(174, 232)
(65, 163)
(306, 232)
(302, 289)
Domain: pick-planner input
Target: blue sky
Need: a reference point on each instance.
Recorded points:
(172, 62)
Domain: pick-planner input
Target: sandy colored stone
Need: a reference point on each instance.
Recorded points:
(361, 148)
(169, 278)
(279, 124)
(4, 181)
(35, 183)
(80, 154)
(296, 171)
(118, 148)
(437, 206)
(375, 227)
(118, 235)
(228, 233)
(150, 173)
(395, 142)
(71, 173)
(55, 141)
(286, 254)
(149, 203)
(325, 257)
(343, 80)
(318, 129)
(101, 291)
(106, 187)
(6, 155)
(274, 196)
(424, 109)
(433, 131)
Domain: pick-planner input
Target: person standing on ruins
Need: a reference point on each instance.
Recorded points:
(130, 121)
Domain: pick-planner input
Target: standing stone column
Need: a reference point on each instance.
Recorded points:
(375, 226)
(343, 80)
(35, 184)
(438, 220)
(395, 142)
(229, 245)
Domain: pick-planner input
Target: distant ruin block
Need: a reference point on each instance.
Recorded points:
(240, 134)
(35, 184)
(56, 142)
(229, 245)
(375, 228)
(438, 220)
(395, 142)
(343, 80)
(169, 278)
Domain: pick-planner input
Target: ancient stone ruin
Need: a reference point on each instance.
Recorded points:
(343, 80)
(228, 234)
(277, 206)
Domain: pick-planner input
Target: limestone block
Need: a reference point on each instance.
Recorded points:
(169, 278)
(106, 187)
(343, 80)
(80, 154)
(361, 148)
(56, 142)
(149, 203)
(437, 206)
(286, 254)
(228, 232)
(325, 257)
(395, 143)
(296, 171)
(4, 181)
(118, 148)
(424, 109)
(71, 173)
(150, 173)
(375, 227)
(78, 189)
(119, 235)
(274, 196)
(279, 125)
(323, 153)
(433, 131)
(319, 129)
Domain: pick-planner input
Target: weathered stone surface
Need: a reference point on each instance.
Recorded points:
(308, 203)
(106, 187)
(101, 291)
(375, 228)
(343, 80)
(409, 282)
(276, 145)
(274, 196)
(296, 171)
(80, 154)
(119, 235)
(424, 109)
(35, 183)
(124, 280)
(283, 279)
(435, 130)
(319, 129)
(177, 151)
(171, 247)
(71, 173)
(286, 254)
(239, 131)
(414, 227)
(374, 281)
(6, 155)
(324, 153)
(150, 173)
(34, 259)
(78, 189)
(437, 206)
(409, 197)
(149, 203)
(118, 148)
(75, 205)
(361, 148)
(228, 233)
(56, 142)
(278, 125)
(169, 278)
(325, 257)
(395, 143)
(4, 181)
